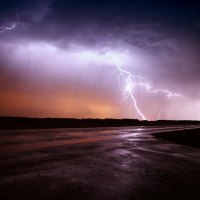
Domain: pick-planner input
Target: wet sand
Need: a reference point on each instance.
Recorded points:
(98, 163)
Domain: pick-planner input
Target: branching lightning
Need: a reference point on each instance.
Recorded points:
(129, 85)
(132, 82)
(12, 26)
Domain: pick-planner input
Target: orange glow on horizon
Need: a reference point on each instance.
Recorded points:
(16, 103)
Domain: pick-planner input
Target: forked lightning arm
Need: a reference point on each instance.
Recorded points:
(13, 25)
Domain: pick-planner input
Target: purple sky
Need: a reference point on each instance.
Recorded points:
(60, 61)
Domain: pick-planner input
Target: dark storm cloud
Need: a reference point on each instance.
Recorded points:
(64, 18)
(154, 26)
(141, 23)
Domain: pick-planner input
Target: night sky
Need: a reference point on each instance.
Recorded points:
(62, 58)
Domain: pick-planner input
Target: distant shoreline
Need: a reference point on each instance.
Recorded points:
(43, 123)
(190, 137)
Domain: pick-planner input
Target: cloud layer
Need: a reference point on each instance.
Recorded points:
(54, 63)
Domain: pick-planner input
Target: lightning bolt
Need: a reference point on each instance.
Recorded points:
(129, 86)
(12, 26)
(132, 82)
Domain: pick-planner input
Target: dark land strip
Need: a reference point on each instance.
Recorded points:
(189, 137)
(46, 123)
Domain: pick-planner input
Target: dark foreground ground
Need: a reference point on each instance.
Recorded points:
(100, 163)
